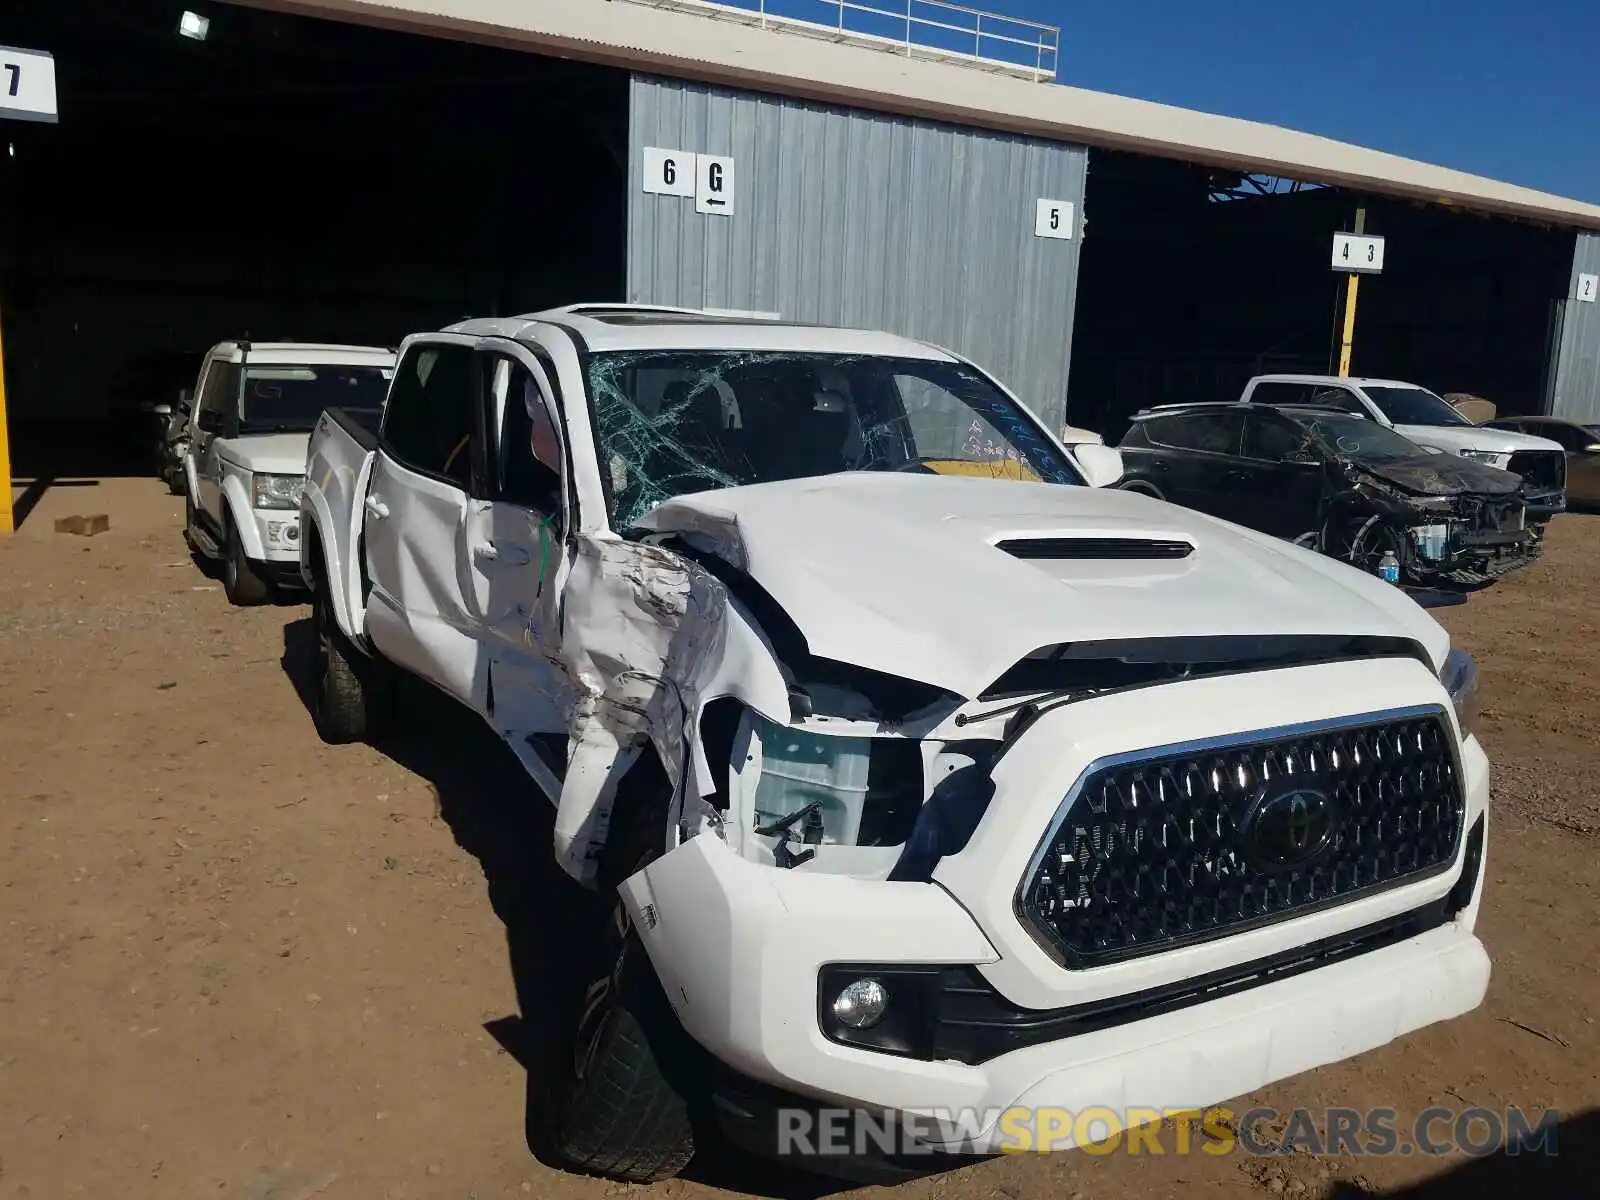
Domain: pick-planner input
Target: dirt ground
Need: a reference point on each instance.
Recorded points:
(240, 964)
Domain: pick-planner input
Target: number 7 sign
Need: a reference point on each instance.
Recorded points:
(27, 85)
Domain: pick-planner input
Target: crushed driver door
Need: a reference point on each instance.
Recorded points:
(514, 550)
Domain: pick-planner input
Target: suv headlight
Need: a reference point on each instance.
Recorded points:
(1493, 458)
(1460, 679)
(276, 491)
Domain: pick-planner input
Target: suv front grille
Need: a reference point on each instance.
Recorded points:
(1541, 470)
(1194, 844)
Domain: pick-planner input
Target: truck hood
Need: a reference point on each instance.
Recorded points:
(950, 581)
(1444, 475)
(1452, 438)
(269, 453)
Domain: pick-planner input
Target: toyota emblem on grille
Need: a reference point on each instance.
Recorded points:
(1290, 825)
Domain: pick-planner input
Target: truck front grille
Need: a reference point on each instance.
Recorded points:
(1541, 470)
(1194, 844)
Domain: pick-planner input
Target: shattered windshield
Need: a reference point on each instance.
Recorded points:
(1414, 406)
(1361, 440)
(672, 422)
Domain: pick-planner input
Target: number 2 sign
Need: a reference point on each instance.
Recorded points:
(1587, 286)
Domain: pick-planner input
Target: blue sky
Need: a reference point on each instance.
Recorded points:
(1505, 88)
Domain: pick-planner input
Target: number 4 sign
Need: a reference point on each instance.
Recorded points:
(1362, 254)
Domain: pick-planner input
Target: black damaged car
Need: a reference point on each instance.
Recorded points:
(1336, 482)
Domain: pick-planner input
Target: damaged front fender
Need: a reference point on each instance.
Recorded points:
(647, 639)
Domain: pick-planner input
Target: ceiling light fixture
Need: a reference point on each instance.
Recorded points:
(194, 26)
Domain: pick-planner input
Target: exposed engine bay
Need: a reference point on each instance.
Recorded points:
(1449, 521)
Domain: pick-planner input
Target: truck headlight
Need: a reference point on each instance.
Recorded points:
(1460, 679)
(276, 491)
(1493, 458)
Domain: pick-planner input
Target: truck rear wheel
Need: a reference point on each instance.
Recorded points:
(619, 1107)
(350, 696)
(239, 579)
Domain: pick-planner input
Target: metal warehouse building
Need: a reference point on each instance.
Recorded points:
(352, 170)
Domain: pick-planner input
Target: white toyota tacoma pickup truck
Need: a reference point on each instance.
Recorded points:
(911, 773)
(246, 458)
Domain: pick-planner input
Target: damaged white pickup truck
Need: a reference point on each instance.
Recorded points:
(912, 774)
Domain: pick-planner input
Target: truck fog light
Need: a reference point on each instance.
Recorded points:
(861, 1004)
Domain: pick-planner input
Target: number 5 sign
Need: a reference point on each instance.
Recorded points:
(1362, 254)
(27, 85)
(1053, 219)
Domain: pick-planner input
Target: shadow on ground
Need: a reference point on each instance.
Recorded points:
(498, 816)
(1565, 1170)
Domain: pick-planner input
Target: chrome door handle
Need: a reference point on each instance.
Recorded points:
(376, 507)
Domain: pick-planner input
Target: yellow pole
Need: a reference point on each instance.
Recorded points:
(1352, 285)
(6, 523)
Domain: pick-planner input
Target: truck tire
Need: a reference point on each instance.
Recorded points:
(619, 1107)
(351, 695)
(243, 586)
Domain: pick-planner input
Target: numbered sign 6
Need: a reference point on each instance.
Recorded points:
(668, 172)
(27, 85)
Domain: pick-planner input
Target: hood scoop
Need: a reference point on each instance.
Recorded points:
(1100, 549)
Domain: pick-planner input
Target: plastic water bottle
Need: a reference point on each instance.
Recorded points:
(1389, 567)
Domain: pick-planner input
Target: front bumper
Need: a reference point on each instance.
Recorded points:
(1179, 1062)
(739, 946)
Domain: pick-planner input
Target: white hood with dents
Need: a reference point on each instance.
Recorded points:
(901, 573)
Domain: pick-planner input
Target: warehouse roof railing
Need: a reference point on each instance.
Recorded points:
(930, 29)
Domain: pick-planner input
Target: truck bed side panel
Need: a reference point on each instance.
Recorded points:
(338, 465)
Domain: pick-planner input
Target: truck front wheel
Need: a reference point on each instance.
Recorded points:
(619, 1107)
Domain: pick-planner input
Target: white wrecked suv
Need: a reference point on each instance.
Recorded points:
(927, 794)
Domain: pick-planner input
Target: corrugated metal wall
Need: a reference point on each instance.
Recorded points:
(853, 218)
(1575, 394)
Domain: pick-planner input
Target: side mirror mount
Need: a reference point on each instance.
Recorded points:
(210, 420)
(1101, 465)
